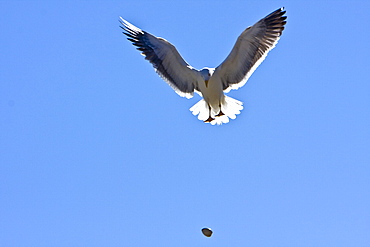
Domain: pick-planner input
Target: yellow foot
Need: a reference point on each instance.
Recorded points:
(220, 114)
(210, 119)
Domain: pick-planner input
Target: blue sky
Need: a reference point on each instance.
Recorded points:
(96, 150)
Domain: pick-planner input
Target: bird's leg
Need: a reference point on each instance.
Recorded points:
(210, 119)
(220, 113)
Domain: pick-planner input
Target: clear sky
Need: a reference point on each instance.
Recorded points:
(97, 150)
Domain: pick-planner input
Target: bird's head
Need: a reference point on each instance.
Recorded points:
(207, 73)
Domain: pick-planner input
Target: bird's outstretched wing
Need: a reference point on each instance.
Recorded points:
(165, 59)
(250, 50)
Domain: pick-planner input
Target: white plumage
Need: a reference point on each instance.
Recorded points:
(250, 49)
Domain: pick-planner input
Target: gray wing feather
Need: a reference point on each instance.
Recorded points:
(165, 59)
(250, 50)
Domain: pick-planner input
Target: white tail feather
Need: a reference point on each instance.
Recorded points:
(229, 106)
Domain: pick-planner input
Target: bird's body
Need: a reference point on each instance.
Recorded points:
(248, 52)
(212, 93)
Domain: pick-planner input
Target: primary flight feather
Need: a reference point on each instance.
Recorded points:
(249, 51)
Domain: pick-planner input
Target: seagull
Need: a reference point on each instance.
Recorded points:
(250, 49)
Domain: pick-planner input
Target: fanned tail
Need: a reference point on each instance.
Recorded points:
(230, 108)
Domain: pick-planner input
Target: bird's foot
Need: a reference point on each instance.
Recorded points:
(210, 119)
(220, 114)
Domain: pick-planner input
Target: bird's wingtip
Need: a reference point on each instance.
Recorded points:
(128, 26)
(123, 21)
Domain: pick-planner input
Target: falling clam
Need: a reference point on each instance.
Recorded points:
(207, 232)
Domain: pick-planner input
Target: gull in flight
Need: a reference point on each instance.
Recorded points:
(249, 51)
